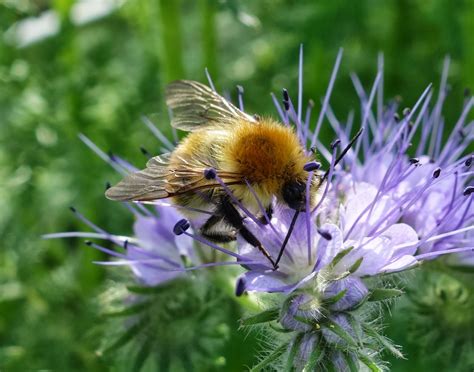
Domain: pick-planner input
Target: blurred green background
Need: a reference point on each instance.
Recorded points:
(95, 67)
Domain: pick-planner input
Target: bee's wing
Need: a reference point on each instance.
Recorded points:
(159, 181)
(196, 106)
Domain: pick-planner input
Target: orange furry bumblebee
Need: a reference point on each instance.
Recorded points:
(225, 147)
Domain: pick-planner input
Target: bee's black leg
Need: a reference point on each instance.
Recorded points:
(269, 212)
(233, 217)
(215, 235)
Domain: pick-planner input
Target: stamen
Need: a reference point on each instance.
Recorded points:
(468, 161)
(325, 234)
(240, 92)
(145, 152)
(102, 154)
(105, 250)
(468, 190)
(212, 173)
(286, 100)
(436, 172)
(209, 79)
(157, 133)
(181, 226)
(327, 96)
(88, 222)
(312, 166)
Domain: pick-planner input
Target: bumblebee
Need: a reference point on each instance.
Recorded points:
(228, 158)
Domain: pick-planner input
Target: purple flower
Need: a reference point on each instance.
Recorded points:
(154, 253)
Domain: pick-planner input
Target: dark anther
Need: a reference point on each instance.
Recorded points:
(286, 100)
(313, 149)
(88, 242)
(461, 133)
(73, 210)
(396, 117)
(335, 143)
(240, 287)
(125, 244)
(468, 190)
(406, 111)
(111, 155)
(144, 151)
(468, 162)
(414, 161)
(436, 172)
(257, 117)
(312, 166)
(325, 234)
(240, 89)
(467, 92)
(181, 226)
(107, 185)
(210, 174)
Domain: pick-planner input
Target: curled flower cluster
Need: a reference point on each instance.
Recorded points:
(385, 206)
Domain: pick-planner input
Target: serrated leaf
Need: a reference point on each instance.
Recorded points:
(270, 358)
(263, 317)
(382, 294)
(130, 310)
(294, 349)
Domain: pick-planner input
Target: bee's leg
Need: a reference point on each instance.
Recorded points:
(233, 217)
(269, 212)
(215, 235)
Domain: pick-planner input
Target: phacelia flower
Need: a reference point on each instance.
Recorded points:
(386, 204)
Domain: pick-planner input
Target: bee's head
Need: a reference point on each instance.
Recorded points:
(294, 194)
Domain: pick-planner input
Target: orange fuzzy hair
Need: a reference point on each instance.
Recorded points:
(266, 153)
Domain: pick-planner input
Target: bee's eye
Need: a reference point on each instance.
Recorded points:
(293, 193)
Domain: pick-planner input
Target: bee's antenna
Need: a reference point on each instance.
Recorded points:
(287, 237)
(344, 152)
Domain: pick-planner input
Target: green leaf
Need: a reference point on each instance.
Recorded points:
(369, 363)
(280, 329)
(142, 355)
(339, 331)
(314, 358)
(263, 317)
(350, 362)
(382, 294)
(335, 298)
(126, 337)
(147, 290)
(294, 349)
(340, 256)
(131, 310)
(270, 358)
(356, 265)
(384, 341)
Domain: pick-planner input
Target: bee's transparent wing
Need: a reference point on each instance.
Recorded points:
(159, 181)
(196, 106)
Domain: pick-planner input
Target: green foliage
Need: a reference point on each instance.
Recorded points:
(99, 78)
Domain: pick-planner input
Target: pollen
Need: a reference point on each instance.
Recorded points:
(265, 153)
